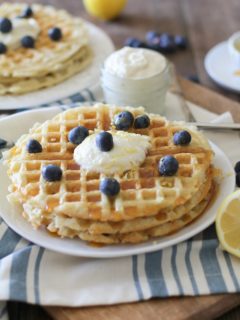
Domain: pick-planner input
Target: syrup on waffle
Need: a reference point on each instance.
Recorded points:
(148, 204)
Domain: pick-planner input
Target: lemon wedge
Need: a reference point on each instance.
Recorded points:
(228, 223)
(104, 9)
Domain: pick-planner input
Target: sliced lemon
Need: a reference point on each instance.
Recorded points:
(228, 223)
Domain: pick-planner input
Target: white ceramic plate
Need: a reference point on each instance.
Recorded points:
(101, 45)
(24, 120)
(221, 68)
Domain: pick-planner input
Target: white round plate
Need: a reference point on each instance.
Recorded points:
(77, 247)
(221, 68)
(101, 45)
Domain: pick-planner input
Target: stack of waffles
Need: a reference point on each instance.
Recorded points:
(50, 62)
(148, 204)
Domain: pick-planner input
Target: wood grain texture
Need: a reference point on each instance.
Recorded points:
(194, 308)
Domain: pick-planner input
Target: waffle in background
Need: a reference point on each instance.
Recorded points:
(50, 62)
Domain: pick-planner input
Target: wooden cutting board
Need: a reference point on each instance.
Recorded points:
(185, 308)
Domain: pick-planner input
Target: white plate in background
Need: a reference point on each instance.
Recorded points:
(221, 68)
(101, 45)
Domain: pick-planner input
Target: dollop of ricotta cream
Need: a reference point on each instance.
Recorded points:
(20, 28)
(129, 151)
(135, 63)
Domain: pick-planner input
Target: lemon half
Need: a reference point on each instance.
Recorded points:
(228, 223)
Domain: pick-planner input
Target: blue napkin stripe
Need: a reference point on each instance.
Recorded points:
(136, 277)
(175, 270)
(211, 266)
(189, 267)
(18, 274)
(36, 275)
(153, 269)
(230, 267)
(8, 242)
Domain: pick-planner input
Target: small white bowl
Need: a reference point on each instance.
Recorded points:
(234, 48)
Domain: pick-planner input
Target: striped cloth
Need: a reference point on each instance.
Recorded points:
(195, 267)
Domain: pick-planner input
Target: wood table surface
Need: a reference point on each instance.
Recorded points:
(205, 23)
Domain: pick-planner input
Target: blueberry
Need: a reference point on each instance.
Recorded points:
(194, 78)
(27, 12)
(55, 34)
(141, 122)
(78, 134)
(180, 41)
(104, 141)
(3, 143)
(123, 120)
(238, 179)
(237, 167)
(5, 25)
(28, 42)
(182, 138)
(110, 187)
(134, 43)
(33, 146)
(151, 35)
(168, 166)
(52, 173)
(166, 43)
(3, 48)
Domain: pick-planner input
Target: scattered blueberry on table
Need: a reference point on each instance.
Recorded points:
(168, 166)
(134, 43)
(5, 25)
(123, 120)
(78, 134)
(141, 122)
(166, 43)
(52, 173)
(3, 48)
(104, 141)
(151, 35)
(180, 41)
(33, 146)
(161, 42)
(55, 34)
(28, 42)
(182, 138)
(194, 78)
(110, 187)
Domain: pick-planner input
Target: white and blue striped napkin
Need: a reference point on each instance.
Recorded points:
(195, 267)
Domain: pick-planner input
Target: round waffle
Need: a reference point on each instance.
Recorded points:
(75, 206)
(49, 59)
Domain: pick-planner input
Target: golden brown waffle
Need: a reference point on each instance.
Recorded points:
(49, 59)
(144, 235)
(144, 193)
(66, 225)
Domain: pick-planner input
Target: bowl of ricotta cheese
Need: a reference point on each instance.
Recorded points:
(136, 77)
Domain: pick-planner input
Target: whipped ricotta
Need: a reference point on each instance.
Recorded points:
(135, 63)
(21, 28)
(128, 152)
